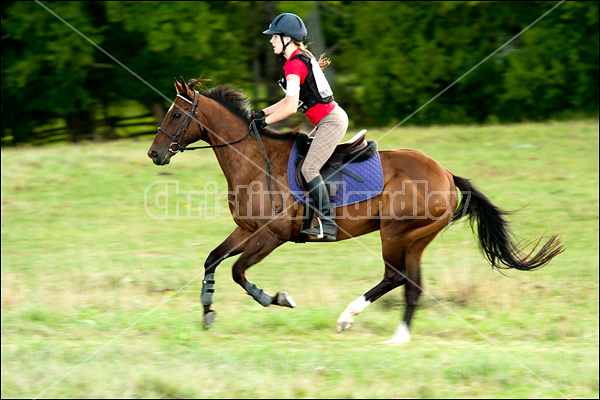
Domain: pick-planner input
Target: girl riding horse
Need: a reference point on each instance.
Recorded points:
(307, 88)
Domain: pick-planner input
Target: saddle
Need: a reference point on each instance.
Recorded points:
(354, 150)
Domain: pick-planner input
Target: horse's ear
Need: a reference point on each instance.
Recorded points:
(178, 86)
(186, 89)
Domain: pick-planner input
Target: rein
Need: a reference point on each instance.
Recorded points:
(175, 146)
(186, 124)
(182, 149)
(268, 167)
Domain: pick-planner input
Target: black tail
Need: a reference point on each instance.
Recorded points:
(495, 237)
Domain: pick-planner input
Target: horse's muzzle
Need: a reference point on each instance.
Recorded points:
(157, 159)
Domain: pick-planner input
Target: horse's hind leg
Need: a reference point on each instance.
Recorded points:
(412, 287)
(393, 256)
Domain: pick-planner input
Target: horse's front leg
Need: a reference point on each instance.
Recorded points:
(260, 245)
(234, 244)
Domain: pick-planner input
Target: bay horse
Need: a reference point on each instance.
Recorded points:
(419, 199)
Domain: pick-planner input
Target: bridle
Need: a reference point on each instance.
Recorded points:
(175, 145)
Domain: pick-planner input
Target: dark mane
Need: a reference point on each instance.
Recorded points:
(232, 99)
(236, 102)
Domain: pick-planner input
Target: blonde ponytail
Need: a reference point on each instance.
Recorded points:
(323, 61)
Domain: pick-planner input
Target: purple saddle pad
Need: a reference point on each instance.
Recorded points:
(351, 190)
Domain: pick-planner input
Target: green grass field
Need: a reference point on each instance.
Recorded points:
(85, 272)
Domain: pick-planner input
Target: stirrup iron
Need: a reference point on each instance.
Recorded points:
(321, 234)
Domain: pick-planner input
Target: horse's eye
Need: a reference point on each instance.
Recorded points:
(176, 115)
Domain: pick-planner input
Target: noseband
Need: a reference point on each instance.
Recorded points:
(174, 147)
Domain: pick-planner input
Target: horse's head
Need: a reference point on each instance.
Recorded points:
(180, 127)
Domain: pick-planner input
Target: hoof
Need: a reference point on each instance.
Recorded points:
(209, 318)
(401, 335)
(344, 325)
(285, 300)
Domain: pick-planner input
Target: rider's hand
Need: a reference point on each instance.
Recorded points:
(257, 114)
(259, 123)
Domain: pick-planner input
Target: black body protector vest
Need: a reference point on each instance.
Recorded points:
(315, 88)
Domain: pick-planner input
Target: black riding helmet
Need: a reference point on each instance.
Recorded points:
(287, 24)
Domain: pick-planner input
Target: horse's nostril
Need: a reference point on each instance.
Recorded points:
(154, 154)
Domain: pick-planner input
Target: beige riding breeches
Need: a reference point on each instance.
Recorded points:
(326, 136)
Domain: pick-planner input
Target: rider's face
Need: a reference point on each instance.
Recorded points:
(276, 43)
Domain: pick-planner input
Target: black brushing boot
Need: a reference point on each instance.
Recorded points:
(322, 203)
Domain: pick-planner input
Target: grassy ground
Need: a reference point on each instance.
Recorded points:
(85, 272)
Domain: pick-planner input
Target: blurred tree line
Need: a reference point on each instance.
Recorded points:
(389, 58)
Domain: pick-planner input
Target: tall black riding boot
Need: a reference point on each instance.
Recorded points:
(320, 195)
